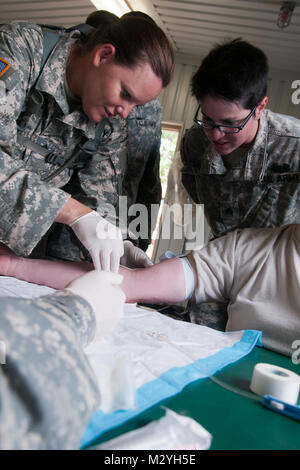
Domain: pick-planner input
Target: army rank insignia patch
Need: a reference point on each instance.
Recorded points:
(4, 66)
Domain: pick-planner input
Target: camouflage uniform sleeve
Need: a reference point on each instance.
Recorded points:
(144, 146)
(193, 146)
(48, 391)
(28, 206)
(150, 191)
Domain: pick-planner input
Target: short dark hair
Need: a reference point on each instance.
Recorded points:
(100, 18)
(236, 71)
(136, 41)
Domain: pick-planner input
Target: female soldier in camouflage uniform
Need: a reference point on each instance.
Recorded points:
(138, 181)
(49, 113)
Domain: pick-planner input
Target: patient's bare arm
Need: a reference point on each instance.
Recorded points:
(160, 283)
(56, 274)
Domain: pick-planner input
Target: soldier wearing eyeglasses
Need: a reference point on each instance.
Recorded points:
(240, 160)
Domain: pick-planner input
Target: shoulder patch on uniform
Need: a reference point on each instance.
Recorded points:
(4, 66)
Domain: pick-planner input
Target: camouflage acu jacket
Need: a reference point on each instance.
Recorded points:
(28, 204)
(262, 190)
(48, 392)
(138, 181)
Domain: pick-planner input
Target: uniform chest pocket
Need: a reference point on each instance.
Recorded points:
(281, 204)
(229, 211)
(271, 204)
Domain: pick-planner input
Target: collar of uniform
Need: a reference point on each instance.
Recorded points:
(257, 156)
(51, 79)
(261, 132)
(214, 161)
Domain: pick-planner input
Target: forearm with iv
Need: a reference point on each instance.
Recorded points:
(170, 281)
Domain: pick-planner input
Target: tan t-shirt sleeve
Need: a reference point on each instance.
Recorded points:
(215, 269)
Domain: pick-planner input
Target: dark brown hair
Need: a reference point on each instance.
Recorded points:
(234, 70)
(136, 41)
(100, 18)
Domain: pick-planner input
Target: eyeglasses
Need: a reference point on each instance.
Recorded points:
(226, 129)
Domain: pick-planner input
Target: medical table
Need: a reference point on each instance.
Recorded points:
(236, 422)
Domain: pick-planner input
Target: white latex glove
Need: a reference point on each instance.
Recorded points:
(102, 239)
(103, 292)
(134, 257)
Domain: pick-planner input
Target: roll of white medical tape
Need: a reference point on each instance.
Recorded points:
(281, 383)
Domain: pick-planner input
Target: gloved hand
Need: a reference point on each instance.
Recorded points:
(102, 239)
(103, 292)
(134, 257)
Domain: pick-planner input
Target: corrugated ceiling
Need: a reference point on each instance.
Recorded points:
(196, 26)
(59, 12)
(193, 26)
